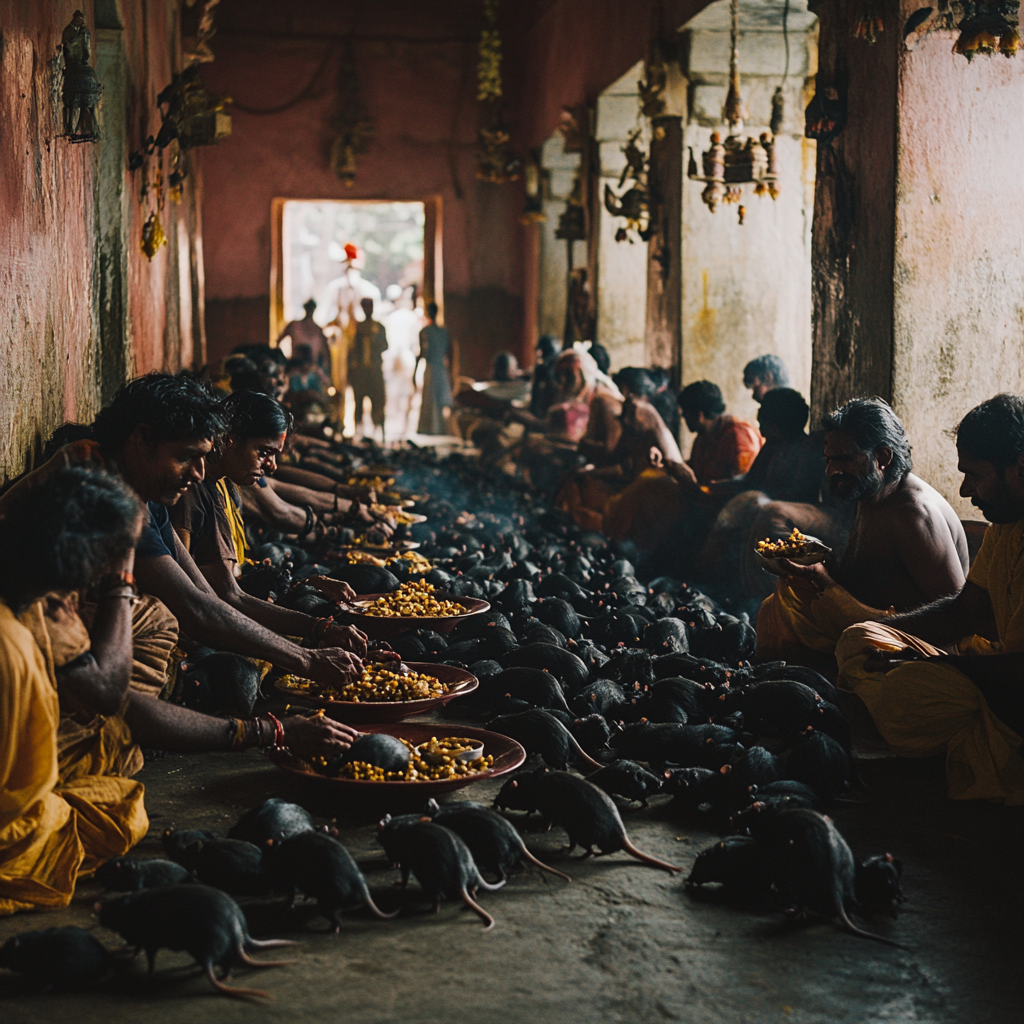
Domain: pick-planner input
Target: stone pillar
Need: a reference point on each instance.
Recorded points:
(919, 251)
(664, 338)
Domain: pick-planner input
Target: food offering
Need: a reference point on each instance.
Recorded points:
(797, 547)
(399, 515)
(377, 683)
(410, 561)
(421, 764)
(437, 760)
(385, 692)
(414, 600)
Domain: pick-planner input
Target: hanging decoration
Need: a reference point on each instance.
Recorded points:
(988, 27)
(739, 160)
(153, 235)
(533, 181)
(634, 204)
(572, 225)
(196, 49)
(353, 125)
(868, 25)
(81, 90)
(496, 162)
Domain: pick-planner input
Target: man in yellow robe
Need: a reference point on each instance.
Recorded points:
(67, 802)
(949, 677)
(906, 547)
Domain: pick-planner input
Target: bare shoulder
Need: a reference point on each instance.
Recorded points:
(921, 508)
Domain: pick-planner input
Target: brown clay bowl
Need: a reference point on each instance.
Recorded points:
(459, 682)
(378, 628)
(508, 755)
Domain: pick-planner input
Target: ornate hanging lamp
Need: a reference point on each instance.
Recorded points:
(81, 90)
(739, 160)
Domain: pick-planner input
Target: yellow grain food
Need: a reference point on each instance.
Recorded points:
(409, 560)
(412, 600)
(794, 544)
(376, 684)
(418, 770)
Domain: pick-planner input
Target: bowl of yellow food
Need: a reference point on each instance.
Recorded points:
(386, 691)
(797, 548)
(498, 756)
(414, 605)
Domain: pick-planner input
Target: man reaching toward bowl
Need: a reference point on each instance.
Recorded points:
(906, 548)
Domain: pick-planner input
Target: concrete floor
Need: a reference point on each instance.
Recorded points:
(622, 943)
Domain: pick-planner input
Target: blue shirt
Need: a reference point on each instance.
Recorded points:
(157, 538)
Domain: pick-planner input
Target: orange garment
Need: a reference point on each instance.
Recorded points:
(799, 618)
(646, 510)
(726, 450)
(62, 813)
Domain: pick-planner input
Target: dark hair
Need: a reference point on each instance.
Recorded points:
(310, 304)
(504, 366)
(66, 433)
(701, 396)
(432, 310)
(763, 367)
(63, 530)
(171, 406)
(600, 356)
(871, 425)
(252, 414)
(635, 379)
(994, 431)
(786, 409)
(257, 353)
(549, 347)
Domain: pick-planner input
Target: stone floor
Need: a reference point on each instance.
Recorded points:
(622, 943)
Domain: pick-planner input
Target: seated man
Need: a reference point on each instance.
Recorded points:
(906, 547)
(156, 434)
(968, 704)
(69, 722)
(763, 374)
(787, 476)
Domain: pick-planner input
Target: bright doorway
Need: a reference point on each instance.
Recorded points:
(338, 253)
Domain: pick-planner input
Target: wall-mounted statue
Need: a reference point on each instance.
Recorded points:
(82, 89)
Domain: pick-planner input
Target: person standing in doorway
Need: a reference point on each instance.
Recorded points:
(435, 350)
(307, 332)
(365, 367)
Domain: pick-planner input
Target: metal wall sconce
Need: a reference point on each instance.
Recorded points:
(81, 90)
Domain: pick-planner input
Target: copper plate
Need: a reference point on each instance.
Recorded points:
(378, 627)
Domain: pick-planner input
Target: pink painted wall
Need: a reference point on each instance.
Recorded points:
(49, 357)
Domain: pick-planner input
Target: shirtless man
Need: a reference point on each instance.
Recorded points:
(308, 332)
(906, 546)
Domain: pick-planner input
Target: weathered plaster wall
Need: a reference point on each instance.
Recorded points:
(959, 263)
(747, 287)
(919, 279)
(69, 221)
(560, 170)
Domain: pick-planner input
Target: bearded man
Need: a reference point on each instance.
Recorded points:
(906, 548)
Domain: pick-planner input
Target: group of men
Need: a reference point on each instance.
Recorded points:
(97, 590)
(123, 546)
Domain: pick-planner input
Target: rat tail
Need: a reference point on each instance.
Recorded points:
(251, 943)
(490, 886)
(540, 864)
(647, 858)
(478, 910)
(848, 926)
(235, 993)
(377, 912)
(583, 755)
